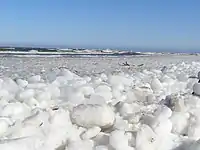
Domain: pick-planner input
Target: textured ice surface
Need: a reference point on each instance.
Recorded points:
(97, 104)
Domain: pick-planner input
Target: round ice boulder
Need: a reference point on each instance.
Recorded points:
(93, 115)
(196, 89)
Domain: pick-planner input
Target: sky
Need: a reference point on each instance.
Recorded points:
(148, 24)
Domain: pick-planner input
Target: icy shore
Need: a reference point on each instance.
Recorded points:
(100, 103)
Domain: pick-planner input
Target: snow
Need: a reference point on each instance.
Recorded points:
(97, 104)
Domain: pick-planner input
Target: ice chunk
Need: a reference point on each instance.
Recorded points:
(93, 115)
(15, 110)
(96, 99)
(53, 90)
(22, 83)
(3, 127)
(101, 139)
(107, 95)
(146, 138)
(43, 95)
(9, 85)
(36, 86)
(102, 87)
(87, 78)
(81, 145)
(156, 84)
(86, 90)
(182, 77)
(198, 75)
(32, 102)
(119, 79)
(161, 127)
(101, 147)
(194, 128)
(60, 81)
(67, 74)
(76, 97)
(196, 88)
(4, 94)
(77, 83)
(179, 122)
(131, 96)
(96, 80)
(31, 143)
(90, 133)
(51, 76)
(26, 94)
(194, 146)
(121, 124)
(118, 140)
(116, 94)
(34, 79)
(104, 77)
(126, 109)
(65, 91)
(175, 102)
(163, 112)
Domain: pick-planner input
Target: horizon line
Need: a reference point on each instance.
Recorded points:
(144, 49)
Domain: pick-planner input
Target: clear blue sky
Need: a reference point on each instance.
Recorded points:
(164, 24)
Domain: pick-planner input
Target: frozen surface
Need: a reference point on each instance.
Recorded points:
(118, 103)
